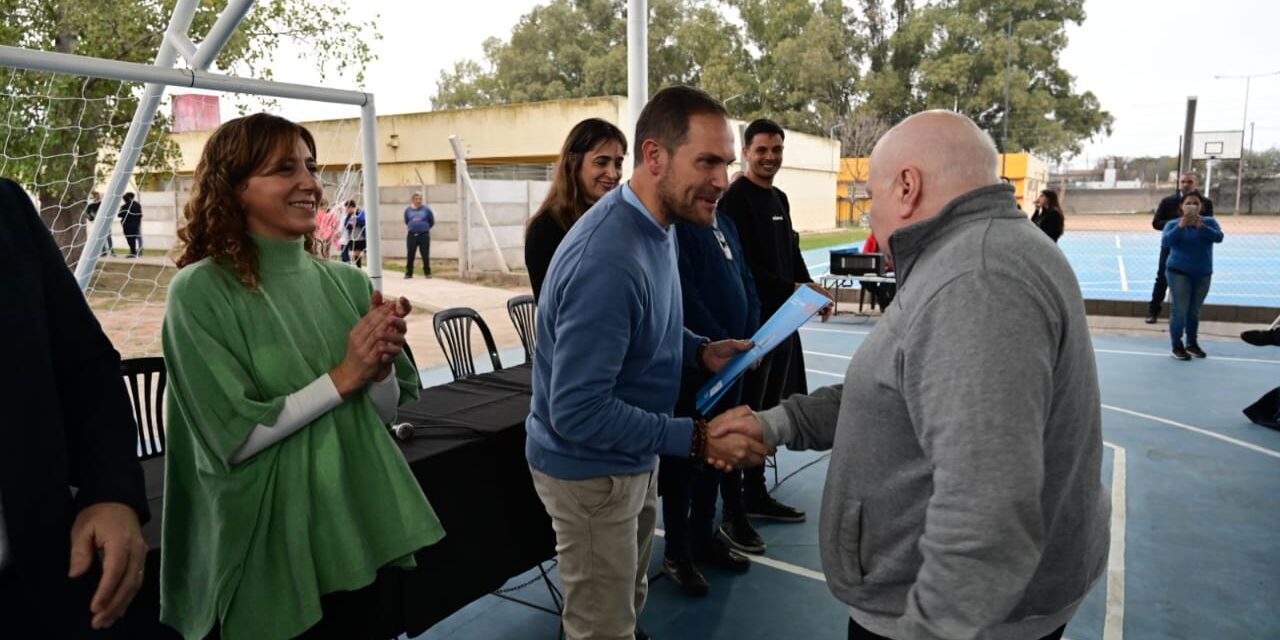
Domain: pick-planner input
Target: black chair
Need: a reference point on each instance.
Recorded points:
(145, 378)
(453, 331)
(523, 310)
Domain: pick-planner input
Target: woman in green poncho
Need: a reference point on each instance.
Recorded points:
(281, 484)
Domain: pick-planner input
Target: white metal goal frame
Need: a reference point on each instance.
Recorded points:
(161, 75)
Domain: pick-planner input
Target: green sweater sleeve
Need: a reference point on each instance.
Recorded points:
(209, 364)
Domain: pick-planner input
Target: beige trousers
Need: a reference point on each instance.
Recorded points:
(604, 536)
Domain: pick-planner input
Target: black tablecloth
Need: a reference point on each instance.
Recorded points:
(468, 454)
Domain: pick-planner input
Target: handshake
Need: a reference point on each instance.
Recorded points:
(735, 440)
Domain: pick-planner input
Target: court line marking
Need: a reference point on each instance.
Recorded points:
(820, 330)
(1204, 432)
(773, 564)
(1165, 355)
(1124, 275)
(1113, 625)
(1118, 242)
(1152, 354)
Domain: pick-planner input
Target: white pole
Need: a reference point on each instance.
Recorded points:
(134, 72)
(637, 61)
(373, 217)
(1208, 178)
(464, 208)
(1243, 158)
(220, 33)
(484, 219)
(131, 150)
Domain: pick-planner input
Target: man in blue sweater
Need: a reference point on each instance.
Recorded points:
(419, 218)
(606, 372)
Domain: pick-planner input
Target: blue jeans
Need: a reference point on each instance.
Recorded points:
(1188, 296)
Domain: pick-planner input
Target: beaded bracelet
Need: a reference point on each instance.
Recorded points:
(699, 447)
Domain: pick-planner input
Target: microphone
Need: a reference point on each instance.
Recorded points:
(403, 432)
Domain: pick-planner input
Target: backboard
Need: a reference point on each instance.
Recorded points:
(1216, 145)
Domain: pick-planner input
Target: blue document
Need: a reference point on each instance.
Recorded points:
(794, 312)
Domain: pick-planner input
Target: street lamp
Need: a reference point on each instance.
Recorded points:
(1243, 124)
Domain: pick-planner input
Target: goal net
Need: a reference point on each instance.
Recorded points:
(60, 136)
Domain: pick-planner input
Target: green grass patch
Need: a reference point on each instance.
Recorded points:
(130, 282)
(832, 239)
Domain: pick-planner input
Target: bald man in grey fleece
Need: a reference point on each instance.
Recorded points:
(963, 498)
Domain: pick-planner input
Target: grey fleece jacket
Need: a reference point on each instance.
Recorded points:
(964, 495)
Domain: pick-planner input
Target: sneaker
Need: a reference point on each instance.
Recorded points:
(1149, 319)
(1180, 353)
(718, 555)
(740, 535)
(686, 576)
(1262, 337)
(1195, 350)
(408, 276)
(770, 509)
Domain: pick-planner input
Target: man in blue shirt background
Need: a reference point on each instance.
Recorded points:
(419, 218)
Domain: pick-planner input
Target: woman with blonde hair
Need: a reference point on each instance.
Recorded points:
(285, 497)
(590, 166)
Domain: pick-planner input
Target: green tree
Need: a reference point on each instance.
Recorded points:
(577, 48)
(1262, 168)
(802, 63)
(952, 54)
(59, 130)
(805, 74)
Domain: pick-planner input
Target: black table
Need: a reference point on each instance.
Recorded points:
(468, 454)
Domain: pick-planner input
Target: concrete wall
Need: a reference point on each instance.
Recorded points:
(1145, 200)
(160, 211)
(507, 204)
(414, 148)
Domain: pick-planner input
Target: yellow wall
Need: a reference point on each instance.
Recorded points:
(513, 133)
(531, 133)
(1029, 175)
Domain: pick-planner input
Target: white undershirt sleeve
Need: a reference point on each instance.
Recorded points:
(385, 395)
(300, 408)
(310, 402)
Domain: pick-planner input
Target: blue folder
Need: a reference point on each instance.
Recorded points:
(797, 310)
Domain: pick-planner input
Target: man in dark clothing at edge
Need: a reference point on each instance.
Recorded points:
(70, 563)
(762, 214)
(1170, 208)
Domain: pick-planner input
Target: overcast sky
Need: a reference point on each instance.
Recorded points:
(1142, 58)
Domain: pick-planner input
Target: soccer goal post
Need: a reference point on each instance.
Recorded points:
(131, 72)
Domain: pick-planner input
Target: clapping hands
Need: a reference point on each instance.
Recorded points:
(372, 345)
(735, 439)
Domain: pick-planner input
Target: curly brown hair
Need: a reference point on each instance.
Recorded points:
(216, 223)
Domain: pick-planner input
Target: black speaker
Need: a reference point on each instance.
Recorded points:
(852, 263)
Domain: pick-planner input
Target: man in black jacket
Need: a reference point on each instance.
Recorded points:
(131, 219)
(762, 214)
(1170, 208)
(70, 561)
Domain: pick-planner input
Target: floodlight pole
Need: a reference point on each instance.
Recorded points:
(1187, 135)
(1244, 121)
(637, 61)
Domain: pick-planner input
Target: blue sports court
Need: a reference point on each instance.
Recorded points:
(1195, 511)
(1122, 266)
